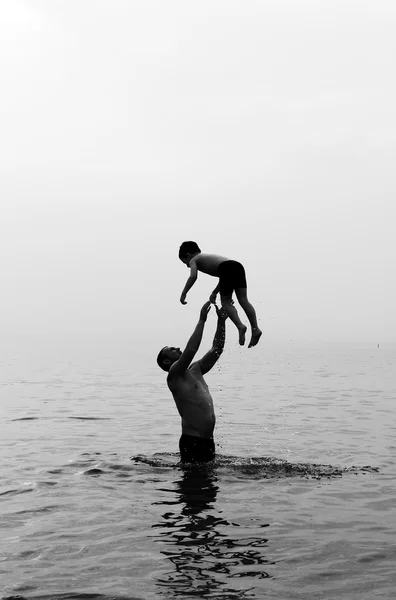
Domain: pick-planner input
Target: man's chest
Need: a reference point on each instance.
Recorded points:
(190, 383)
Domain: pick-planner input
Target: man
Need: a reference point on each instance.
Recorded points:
(190, 391)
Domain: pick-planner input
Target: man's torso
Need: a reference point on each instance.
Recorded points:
(193, 401)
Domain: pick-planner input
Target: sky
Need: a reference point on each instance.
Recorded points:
(263, 130)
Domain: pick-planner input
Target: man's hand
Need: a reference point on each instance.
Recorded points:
(204, 311)
(221, 313)
(183, 299)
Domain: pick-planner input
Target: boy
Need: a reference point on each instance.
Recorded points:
(231, 278)
(190, 391)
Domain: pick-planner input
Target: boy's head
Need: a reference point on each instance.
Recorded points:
(167, 356)
(187, 250)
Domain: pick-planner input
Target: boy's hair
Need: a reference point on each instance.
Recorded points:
(188, 248)
(160, 360)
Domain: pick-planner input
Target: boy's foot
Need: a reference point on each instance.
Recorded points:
(256, 335)
(242, 333)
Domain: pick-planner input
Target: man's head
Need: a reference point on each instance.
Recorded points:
(187, 250)
(167, 356)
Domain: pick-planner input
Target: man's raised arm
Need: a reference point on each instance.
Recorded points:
(211, 357)
(181, 365)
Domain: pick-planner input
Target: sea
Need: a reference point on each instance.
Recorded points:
(300, 502)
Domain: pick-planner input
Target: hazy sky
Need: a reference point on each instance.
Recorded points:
(264, 130)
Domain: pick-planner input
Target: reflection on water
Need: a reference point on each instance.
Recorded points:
(200, 545)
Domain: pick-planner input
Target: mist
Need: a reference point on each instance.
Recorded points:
(264, 131)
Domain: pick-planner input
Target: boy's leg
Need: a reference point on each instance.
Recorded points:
(241, 294)
(226, 302)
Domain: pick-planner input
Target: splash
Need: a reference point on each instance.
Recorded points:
(254, 467)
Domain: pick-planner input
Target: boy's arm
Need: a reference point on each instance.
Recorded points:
(189, 283)
(181, 365)
(209, 360)
(213, 295)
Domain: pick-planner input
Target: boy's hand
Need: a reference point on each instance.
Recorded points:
(212, 298)
(221, 313)
(204, 311)
(183, 299)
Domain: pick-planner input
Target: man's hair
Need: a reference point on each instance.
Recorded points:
(188, 248)
(160, 360)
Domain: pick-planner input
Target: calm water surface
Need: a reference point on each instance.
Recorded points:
(300, 503)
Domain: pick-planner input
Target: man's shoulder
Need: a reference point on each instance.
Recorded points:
(175, 376)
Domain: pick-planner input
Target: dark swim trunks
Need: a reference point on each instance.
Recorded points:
(196, 449)
(232, 276)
